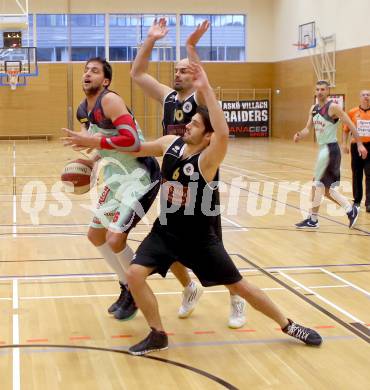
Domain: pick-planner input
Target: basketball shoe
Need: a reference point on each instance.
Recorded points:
(352, 216)
(237, 312)
(127, 309)
(307, 335)
(122, 297)
(307, 223)
(155, 341)
(190, 297)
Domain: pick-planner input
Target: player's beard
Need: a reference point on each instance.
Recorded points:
(178, 88)
(91, 91)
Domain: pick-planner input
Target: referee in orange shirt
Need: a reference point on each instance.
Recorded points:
(360, 116)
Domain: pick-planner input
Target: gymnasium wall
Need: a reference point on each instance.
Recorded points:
(349, 20)
(42, 106)
(296, 81)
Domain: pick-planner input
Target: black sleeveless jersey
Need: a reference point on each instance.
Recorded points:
(189, 205)
(177, 114)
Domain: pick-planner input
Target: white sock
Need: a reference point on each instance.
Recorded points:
(111, 258)
(342, 200)
(124, 257)
(191, 285)
(313, 216)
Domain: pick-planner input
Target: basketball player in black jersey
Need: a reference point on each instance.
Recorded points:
(186, 229)
(179, 106)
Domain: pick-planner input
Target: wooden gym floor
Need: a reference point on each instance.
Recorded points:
(55, 288)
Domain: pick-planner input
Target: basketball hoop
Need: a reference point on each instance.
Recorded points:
(301, 46)
(13, 75)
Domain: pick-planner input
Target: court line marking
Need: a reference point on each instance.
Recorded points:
(252, 158)
(294, 207)
(327, 301)
(48, 348)
(16, 352)
(242, 229)
(29, 298)
(249, 173)
(48, 235)
(112, 275)
(196, 370)
(322, 309)
(14, 227)
(346, 281)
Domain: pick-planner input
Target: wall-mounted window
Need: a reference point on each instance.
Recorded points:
(52, 37)
(127, 32)
(85, 33)
(224, 41)
(87, 36)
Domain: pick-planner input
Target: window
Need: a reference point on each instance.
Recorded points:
(224, 41)
(52, 37)
(87, 36)
(127, 32)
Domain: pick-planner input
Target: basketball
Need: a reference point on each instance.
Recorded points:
(76, 175)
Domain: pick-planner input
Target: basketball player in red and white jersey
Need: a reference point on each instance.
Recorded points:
(179, 106)
(130, 184)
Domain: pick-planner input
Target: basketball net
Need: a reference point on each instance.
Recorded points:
(13, 78)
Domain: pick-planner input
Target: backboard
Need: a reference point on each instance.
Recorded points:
(307, 36)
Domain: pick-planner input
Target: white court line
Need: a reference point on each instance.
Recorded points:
(16, 351)
(271, 177)
(79, 234)
(15, 295)
(112, 275)
(242, 229)
(346, 281)
(321, 298)
(280, 185)
(249, 171)
(168, 293)
(14, 229)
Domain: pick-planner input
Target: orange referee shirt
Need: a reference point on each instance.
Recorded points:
(361, 120)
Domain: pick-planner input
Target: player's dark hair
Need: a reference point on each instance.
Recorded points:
(323, 82)
(107, 69)
(203, 112)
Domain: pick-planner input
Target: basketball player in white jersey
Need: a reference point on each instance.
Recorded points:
(324, 118)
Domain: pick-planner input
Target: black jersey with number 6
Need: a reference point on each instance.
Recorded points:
(189, 205)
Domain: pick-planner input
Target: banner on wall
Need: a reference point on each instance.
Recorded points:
(247, 118)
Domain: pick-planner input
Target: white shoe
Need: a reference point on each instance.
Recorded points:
(237, 312)
(190, 297)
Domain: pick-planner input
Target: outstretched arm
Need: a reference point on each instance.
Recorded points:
(139, 71)
(306, 130)
(213, 155)
(155, 148)
(193, 56)
(193, 39)
(127, 139)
